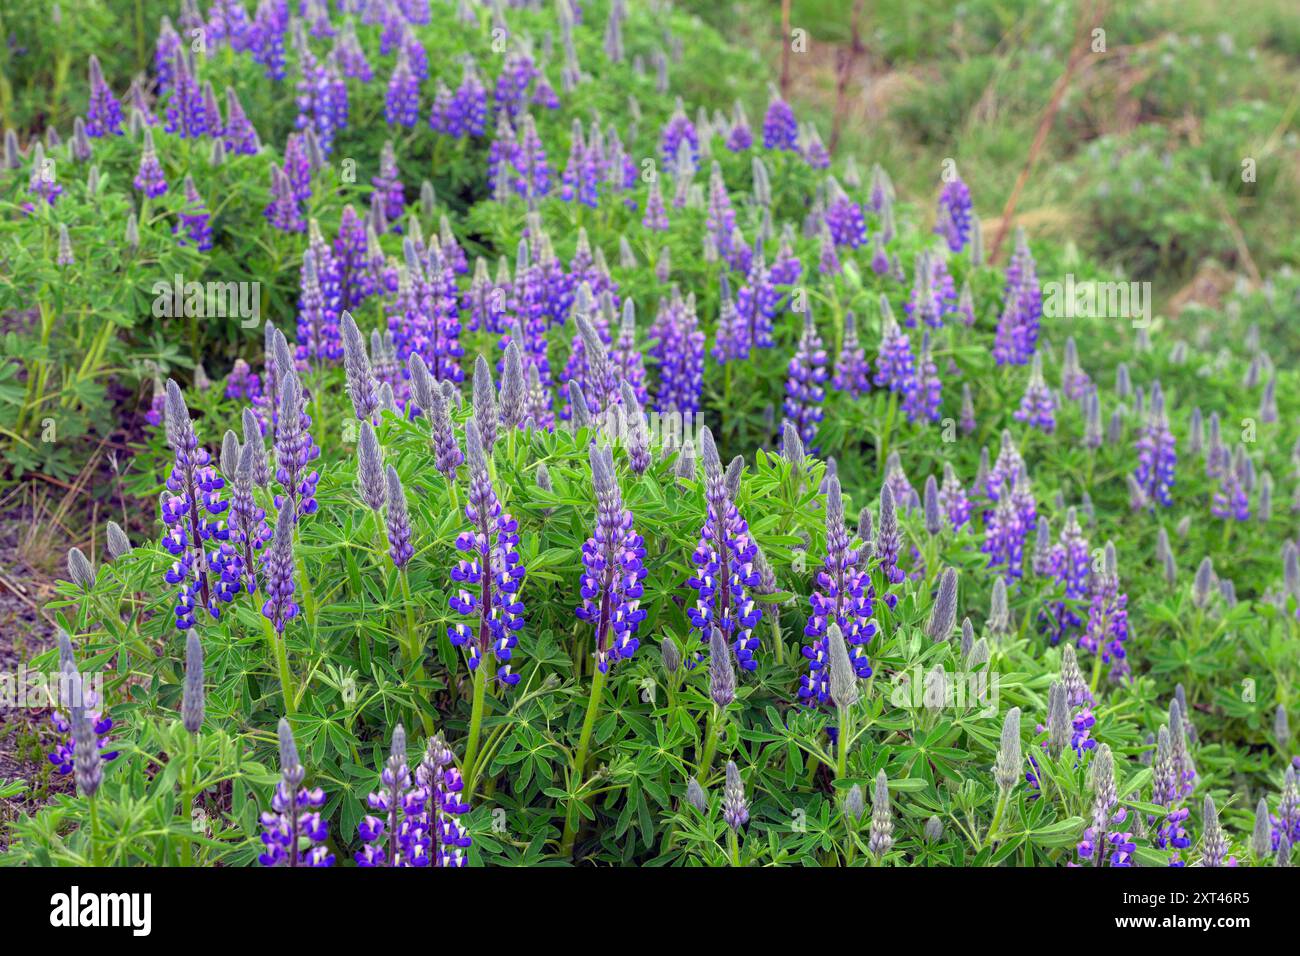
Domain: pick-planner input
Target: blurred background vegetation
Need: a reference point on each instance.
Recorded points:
(1141, 168)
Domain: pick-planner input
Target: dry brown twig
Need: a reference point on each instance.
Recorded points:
(1088, 15)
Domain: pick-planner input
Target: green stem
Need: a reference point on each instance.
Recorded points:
(475, 726)
(997, 817)
(414, 650)
(710, 745)
(571, 820)
(733, 846)
(842, 743)
(94, 832)
(275, 644)
(777, 643)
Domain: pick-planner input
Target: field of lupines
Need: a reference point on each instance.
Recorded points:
(544, 465)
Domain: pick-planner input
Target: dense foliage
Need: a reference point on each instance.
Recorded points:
(454, 565)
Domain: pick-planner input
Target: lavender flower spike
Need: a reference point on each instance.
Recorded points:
(735, 808)
(398, 522)
(722, 676)
(944, 613)
(485, 405)
(882, 820)
(371, 480)
(1006, 769)
(361, 378)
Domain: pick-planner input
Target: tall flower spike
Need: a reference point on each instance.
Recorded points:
(724, 563)
(944, 614)
(87, 764)
(635, 434)
(1058, 719)
(192, 701)
(735, 808)
(485, 405)
(1007, 767)
(361, 378)
(492, 562)
(398, 522)
(612, 569)
(371, 479)
(1214, 843)
(844, 599)
(882, 818)
(514, 389)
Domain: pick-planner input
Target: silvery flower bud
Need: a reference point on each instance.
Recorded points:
(1281, 727)
(1203, 582)
(1261, 840)
(999, 621)
(193, 696)
(854, 803)
(1007, 767)
(844, 679)
(115, 541)
(230, 450)
(80, 571)
(1058, 720)
(944, 613)
(967, 637)
(934, 829)
(672, 657)
(722, 674)
(291, 767)
(882, 818)
(696, 796)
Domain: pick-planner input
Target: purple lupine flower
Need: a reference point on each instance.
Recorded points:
(933, 296)
(895, 367)
(165, 52)
(401, 835)
(735, 808)
(613, 569)
(1038, 404)
(1231, 500)
(360, 375)
(923, 400)
(731, 337)
(952, 499)
(1070, 564)
(104, 112)
(402, 101)
(1017, 332)
(295, 449)
(1103, 842)
(758, 302)
(814, 150)
(954, 218)
(1006, 529)
(278, 569)
(740, 137)
(433, 400)
(725, 569)
(511, 92)
(238, 133)
(149, 177)
(828, 260)
(302, 157)
(397, 521)
(679, 131)
(351, 256)
(1156, 453)
(186, 111)
(283, 212)
(194, 228)
(349, 55)
(844, 596)
(249, 530)
(1170, 834)
(467, 114)
(1074, 380)
(679, 349)
(318, 329)
(635, 434)
(194, 488)
(442, 783)
(42, 183)
(388, 185)
(1107, 630)
(532, 169)
(889, 541)
(780, 128)
(627, 357)
(656, 215)
(805, 383)
(242, 384)
(73, 692)
(1284, 826)
(844, 219)
(266, 37)
(492, 562)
